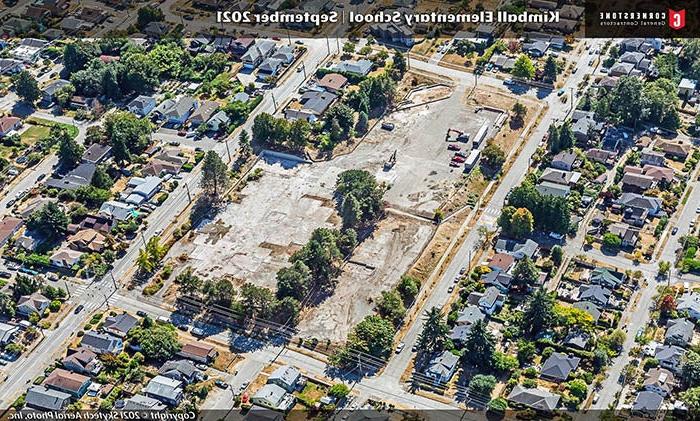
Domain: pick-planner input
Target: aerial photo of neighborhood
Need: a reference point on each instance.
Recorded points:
(209, 214)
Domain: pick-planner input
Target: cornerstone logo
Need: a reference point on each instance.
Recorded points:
(676, 19)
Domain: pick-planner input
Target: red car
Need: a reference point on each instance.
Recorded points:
(453, 147)
(457, 159)
(460, 154)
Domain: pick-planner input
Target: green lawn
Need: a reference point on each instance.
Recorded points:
(72, 130)
(34, 134)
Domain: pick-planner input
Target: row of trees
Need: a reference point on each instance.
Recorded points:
(280, 132)
(560, 137)
(550, 213)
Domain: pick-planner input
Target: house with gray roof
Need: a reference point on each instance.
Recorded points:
(117, 211)
(358, 67)
(565, 178)
(670, 356)
(167, 390)
(659, 381)
(285, 54)
(501, 280)
(120, 324)
(564, 160)
(181, 370)
(44, 399)
(442, 367)
(621, 69)
(140, 403)
(491, 300)
(577, 339)
(143, 190)
(651, 157)
(310, 106)
(102, 343)
(469, 315)
(49, 91)
(558, 367)
(142, 105)
(273, 397)
(535, 398)
(31, 304)
(690, 303)
(82, 360)
(686, 88)
(595, 293)
(546, 188)
(679, 332)
(653, 205)
(269, 67)
(7, 333)
(78, 177)
(257, 53)
(607, 278)
(180, 111)
(10, 66)
(96, 153)
(519, 250)
(460, 333)
(647, 404)
(286, 377)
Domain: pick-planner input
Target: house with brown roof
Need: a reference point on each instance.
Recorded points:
(333, 82)
(93, 14)
(64, 381)
(9, 124)
(602, 156)
(82, 360)
(8, 227)
(65, 258)
(659, 174)
(501, 262)
(30, 304)
(198, 352)
(638, 183)
(89, 240)
(158, 168)
(675, 149)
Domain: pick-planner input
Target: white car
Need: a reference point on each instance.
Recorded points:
(400, 347)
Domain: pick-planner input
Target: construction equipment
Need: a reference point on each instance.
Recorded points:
(389, 164)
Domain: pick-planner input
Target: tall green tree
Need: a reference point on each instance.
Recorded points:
(215, 175)
(523, 67)
(27, 87)
(550, 69)
(70, 151)
(293, 281)
(373, 335)
(479, 345)
(525, 272)
(50, 221)
(390, 306)
(434, 334)
(539, 312)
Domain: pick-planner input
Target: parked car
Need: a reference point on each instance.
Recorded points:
(453, 147)
(388, 126)
(457, 158)
(5, 274)
(221, 384)
(197, 331)
(454, 164)
(400, 347)
(674, 230)
(79, 309)
(451, 288)
(141, 313)
(184, 327)
(202, 366)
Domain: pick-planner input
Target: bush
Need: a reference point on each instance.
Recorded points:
(530, 383)
(187, 167)
(161, 198)
(530, 372)
(66, 196)
(153, 287)
(55, 306)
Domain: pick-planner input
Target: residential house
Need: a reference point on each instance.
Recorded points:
(536, 48)
(534, 398)
(686, 88)
(93, 14)
(28, 49)
(64, 381)
(310, 106)
(577, 339)
(491, 300)
(82, 360)
(565, 178)
(601, 155)
(181, 110)
(142, 105)
(158, 168)
(689, 302)
(501, 262)
(635, 216)
(496, 278)
(284, 54)
(659, 381)
(679, 332)
(595, 293)
(547, 188)
(469, 315)
(607, 277)
(613, 138)
(333, 82)
(65, 258)
(589, 308)
(621, 69)
(10, 66)
(647, 404)
(628, 235)
(651, 204)
(670, 357)
(9, 124)
(199, 352)
(117, 211)
(78, 177)
(269, 68)
(519, 250)
(204, 112)
(663, 175)
(167, 390)
(96, 154)
(558, 367)
(44, 399)
(257, 53)
(31, 304)
(143, 403)
(240, 46)
(8, 228)
(120, 325)
(357, 67)
(273, 397)
(564, 160)
(286, 377)
(218, 121)
(156, 29)
(7, 333)
(50, 90)
(649, 157)
(89, 240)
(632, 57)
(102, 343)
(143, 189)
(637, 183)
(442, 367)
(181, 370)
(675, 149)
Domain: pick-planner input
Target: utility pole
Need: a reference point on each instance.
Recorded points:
(337, 44)
(273, 99)
(189, 197)
(328, 45)
(572, 99)
(289, 37)
(106, 301)
(114, 281)
(303, 69)
(143, 238)
(67, 290)
(228, 152)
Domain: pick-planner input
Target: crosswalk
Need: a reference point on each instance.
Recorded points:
(91, 299)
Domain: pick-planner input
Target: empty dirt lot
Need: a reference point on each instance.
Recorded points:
(253, 237)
